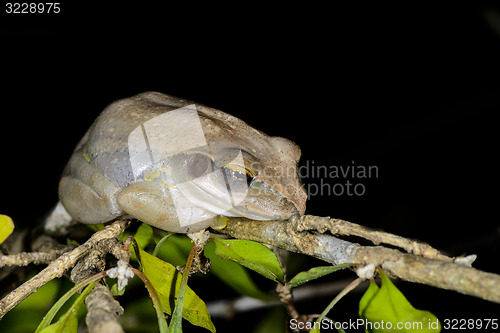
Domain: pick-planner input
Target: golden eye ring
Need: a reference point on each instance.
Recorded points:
(234, 168)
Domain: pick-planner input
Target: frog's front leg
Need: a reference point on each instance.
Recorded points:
(163, 206)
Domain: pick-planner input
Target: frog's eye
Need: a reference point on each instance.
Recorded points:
(249, 175)
(239, 174)
(197, 165)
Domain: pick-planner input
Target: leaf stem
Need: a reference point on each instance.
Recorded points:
(162, 322)
(64, 318)
(160, 243)
(337, 298)
(176, 322)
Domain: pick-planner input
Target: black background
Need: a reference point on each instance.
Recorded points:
(411, 90)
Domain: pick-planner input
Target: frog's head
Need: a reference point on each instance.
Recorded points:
(253, 176)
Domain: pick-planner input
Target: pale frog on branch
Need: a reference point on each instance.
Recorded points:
(178, 165)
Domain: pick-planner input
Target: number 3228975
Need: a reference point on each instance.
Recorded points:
(32, 7)
(467, 324)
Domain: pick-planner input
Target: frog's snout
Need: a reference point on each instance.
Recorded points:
(265, 203)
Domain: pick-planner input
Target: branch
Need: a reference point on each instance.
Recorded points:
(103, 311)
(26, 258)
(299, 235)
(345, 228)
(57, 268)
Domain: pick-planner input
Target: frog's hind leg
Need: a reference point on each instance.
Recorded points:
(91, 197)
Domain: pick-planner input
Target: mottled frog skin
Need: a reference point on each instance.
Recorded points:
(177, 165)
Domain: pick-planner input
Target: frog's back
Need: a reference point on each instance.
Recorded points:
(105, 145)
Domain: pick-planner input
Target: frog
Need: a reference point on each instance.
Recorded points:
(179, 166)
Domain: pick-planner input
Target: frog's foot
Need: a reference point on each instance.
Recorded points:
(58, 222)
(219, 223)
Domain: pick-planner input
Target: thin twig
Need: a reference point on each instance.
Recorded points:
(58, 267)
(345, 228)
(26, 258)
(337, 298)
(285, 293)
(229, 307)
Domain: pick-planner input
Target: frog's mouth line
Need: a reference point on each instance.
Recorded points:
(217, 199)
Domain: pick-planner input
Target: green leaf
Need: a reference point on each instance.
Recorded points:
(315, 329)
(389, 305)
(165, 279)
(234, 275)
(314, 273)
(42, 298)
(250, 254)
(115, 291)
(144, 235)
(57, 306)
(68, 323)
(368, 296)
(140, 309)
(153, 294)
(96, 227)
(27, 315)
(68, 326)
(339, 329)
(6, 227)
